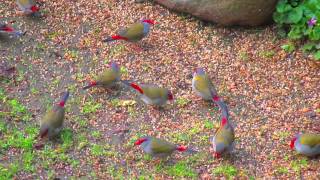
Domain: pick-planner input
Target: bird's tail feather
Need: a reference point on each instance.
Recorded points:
(126, 82)
(65, 96)
(88, 87)
(191, 151)
(108, 39)
(133, 85)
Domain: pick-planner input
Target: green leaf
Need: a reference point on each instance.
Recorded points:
(295, 15)
(308, 46)
(317, 55)
(283, 6)
(315, 34)
(288, 47)
(295, 33)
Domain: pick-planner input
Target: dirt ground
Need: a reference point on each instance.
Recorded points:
(271, 96)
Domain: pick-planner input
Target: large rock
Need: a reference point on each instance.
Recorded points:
(226, 12)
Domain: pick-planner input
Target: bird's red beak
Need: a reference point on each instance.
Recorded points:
(292, 142)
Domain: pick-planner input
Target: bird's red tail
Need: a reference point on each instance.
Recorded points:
(92, 84)
(181, 148)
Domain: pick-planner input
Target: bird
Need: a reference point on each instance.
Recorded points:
(307, 144)
(7, 29)
(52, 122)
(28, 7)
(160, 148)
(133, 33)
(108, 78)
(203, 87)
(152, 94)
(223, 140)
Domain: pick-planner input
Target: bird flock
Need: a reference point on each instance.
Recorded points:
(222, 140)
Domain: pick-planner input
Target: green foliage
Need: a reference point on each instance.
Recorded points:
(181, 169)
(8, 172)
(297, 165)
(208, 124)
(182, 102)
(67, 138)
(297, 15)
(16, 139)
(18, 110)
(227, 170)
(90, 107)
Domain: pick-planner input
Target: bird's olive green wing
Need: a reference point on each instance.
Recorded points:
(225, 135)
(310, 139)
(203, 84)
(107, 77)
(160, 146)
(54, 117)
(26, 3)
(153, 92)
(135, 31)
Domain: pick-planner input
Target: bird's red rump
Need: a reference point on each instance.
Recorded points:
(136, 87)
(93, 83)
(140, 141)
(217, 155)
(170, 96)
(224, 121)
(45, 133)
(216, 98)
(149, 21)
(292, 142)
(117, 37)
(7, 29)
(61, 103)
(34, 9)
(182, 148)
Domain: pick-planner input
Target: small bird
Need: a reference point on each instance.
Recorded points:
(151, 94)
(108, 78)
(6, 29)
(133, 33)
(160, 148)
(307, 144)
(202, 85)
(52, 122)
(28, 7)
(223, 139)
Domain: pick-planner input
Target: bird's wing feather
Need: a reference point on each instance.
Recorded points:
(107, 77)
(225, 135)
(25, 3)
(310, 139)
(134, 31)
(159, 146)
(153, 92)
(202, 84)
